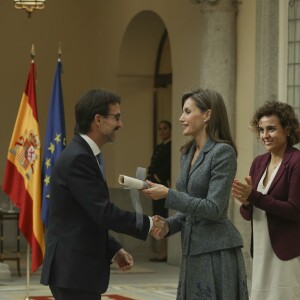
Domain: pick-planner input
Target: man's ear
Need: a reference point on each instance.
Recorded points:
(96, 122)
(97, 119)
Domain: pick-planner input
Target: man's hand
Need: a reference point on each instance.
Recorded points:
(160, 227)
(124, 260)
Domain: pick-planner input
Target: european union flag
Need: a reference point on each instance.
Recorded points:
(55, 140)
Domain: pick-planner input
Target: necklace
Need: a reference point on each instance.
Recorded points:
(274, 166)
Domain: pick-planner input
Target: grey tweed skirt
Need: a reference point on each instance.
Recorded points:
(218, 275)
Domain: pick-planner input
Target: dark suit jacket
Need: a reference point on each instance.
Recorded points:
(281, 203)
(79, 249)
(161, 164)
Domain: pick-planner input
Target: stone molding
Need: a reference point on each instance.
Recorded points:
(235, 3)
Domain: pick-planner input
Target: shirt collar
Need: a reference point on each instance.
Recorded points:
(166, 141)
(91, 143)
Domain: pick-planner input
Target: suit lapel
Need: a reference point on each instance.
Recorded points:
(199, 160)
(260, 169)
(286, 158)
(80, 140)
(185, 166)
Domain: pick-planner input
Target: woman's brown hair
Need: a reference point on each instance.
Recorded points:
(218, 125)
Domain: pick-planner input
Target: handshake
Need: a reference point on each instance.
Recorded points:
(160, 227)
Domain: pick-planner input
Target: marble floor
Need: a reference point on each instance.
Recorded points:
(147, 281)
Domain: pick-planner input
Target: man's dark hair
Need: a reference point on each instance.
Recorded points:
(93, 102)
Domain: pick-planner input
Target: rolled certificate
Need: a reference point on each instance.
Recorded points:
(131, 182)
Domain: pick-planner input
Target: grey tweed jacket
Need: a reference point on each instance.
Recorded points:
(202, 200)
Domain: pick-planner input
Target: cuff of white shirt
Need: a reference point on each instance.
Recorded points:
(113, 259)
(151, 224)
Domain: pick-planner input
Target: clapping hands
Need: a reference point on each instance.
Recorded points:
(160, 227)
(241, 191)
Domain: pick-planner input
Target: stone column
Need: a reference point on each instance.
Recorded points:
(218, 50)
(218, 72)
(266, 66)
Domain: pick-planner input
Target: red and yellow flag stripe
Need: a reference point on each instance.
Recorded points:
(22, 179)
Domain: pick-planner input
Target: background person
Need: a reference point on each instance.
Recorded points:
(159, 171)
(270, 198)
(212, 264)
(79, 249)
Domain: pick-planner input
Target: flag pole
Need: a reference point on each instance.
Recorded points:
(27, 272)
(59, 51)
(32, 54)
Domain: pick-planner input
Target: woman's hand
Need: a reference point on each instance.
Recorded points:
(241, 191)
(155, 191)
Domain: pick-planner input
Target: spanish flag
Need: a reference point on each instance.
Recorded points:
(22, 178)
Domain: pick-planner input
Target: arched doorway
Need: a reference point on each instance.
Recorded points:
(144, 83)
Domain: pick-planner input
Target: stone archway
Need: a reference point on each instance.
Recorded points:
(135, 83)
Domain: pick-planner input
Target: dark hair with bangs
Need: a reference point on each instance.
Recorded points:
(218, 125)
(286, 116)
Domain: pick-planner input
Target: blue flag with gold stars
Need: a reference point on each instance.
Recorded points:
(55, 140)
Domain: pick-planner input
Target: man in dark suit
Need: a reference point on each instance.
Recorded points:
(79, 250)
(159, 171)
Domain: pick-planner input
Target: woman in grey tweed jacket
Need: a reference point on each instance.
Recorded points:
(212, 265)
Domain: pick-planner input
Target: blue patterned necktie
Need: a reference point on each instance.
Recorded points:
(101, 162)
